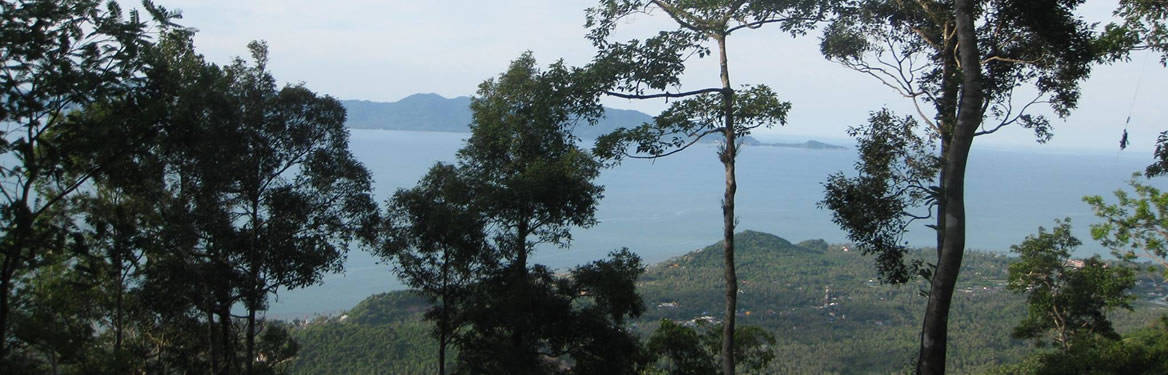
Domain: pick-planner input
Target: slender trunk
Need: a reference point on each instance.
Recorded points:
(6, 274)
(935, 331)
(442, 345)
(518, 340)
(211, 341)
(729, 153)
(253, 295)
(444, 314)
(229, 356)
(251, 333)
(118, 315)
(13, 252)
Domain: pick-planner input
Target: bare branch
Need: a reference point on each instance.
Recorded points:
(677, 15)
(663, 95)
(1009, 60)
(682, 148)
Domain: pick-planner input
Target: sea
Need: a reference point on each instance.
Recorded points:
(670, 206)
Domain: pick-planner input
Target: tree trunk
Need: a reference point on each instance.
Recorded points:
(442, 345)
(6, 274)
(251, 333)
(229, 356)
(444, 315)
(729, 153)
(211, 341)
(934, 335)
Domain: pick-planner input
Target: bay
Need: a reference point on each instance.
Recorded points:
(667, 207)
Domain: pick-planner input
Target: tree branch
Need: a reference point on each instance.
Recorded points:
(663, 95)
(691, 143)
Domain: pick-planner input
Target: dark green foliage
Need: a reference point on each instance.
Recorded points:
(462, 237)
(523, 165)
(1070, 301)
(1143, 352)
(680, 349)
(438, 244)
(188, 191)
(58, 57)
(895, 169)
(547, 324)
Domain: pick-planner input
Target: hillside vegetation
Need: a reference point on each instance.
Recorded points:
(822, 302)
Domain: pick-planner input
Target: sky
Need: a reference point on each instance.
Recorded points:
(386, 50)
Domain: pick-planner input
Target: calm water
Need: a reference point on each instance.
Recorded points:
(670, 206)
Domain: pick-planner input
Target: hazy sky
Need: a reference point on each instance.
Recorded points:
(385, 50)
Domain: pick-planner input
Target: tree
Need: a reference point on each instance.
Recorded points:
(1134, 226)
(437, 242)
(463, 235)
(529, 184)
(573, 324)
(966, 59)
(1064, 297)
(686, 351)
(299, 194)
(1141, 352)
(629, 69)
(59, 56)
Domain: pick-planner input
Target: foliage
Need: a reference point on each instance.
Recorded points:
(462, 237)
(1140, 352)
(58, 57)
(629, 69)
(680, 349)
(168, 195)
(1143, 26)
(895, 168)
(966, 59)
(872, 328)
(1133, 224)
(547, 324)
(1069, 299)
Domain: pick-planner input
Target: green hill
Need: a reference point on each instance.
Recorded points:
(822, 303)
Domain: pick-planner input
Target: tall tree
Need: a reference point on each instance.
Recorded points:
(437, 242)
(59, 56)
(299, 194)
(521, 181)
(966, 59)
(1067, 299)
(636, 68)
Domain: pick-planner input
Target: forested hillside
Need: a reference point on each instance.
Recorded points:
(827, 313)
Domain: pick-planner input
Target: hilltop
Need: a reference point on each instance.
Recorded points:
(821, 301)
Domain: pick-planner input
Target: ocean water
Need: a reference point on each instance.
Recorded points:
(667, 207)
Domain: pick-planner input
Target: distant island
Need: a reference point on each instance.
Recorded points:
(435, 113)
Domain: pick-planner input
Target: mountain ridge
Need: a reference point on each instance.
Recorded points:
(433, 112)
